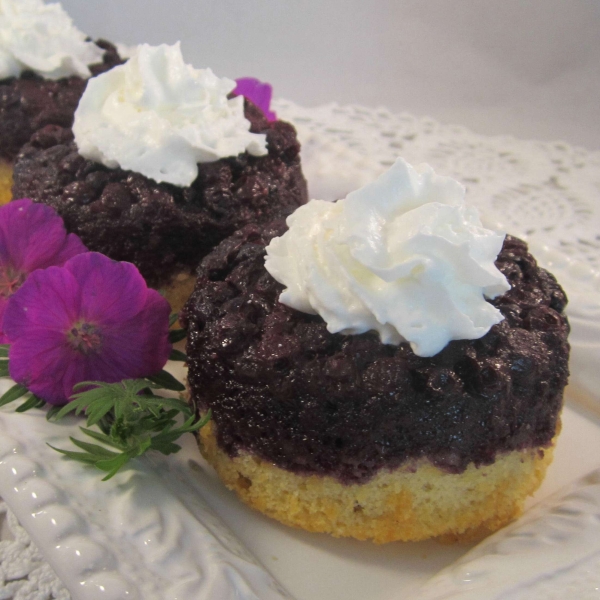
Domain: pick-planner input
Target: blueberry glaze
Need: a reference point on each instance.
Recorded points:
(285, 389)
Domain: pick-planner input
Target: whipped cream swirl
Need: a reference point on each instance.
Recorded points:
(41, 38)
(160, 117)
(403, 256)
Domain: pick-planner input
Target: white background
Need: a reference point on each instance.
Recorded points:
(530, 68)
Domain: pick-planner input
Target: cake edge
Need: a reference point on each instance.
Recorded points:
(415, 502)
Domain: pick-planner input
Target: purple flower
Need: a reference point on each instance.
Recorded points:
(92, 320)
(32, 236)
(258, 93)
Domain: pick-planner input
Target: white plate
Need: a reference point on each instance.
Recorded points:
(158, 530)
(148, 532)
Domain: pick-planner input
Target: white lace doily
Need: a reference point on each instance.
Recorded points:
(24, 574)
(546, 193)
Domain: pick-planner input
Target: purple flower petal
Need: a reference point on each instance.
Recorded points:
(33, 236)
(72, 246)
(80, 368)
(3, 337)
(140, 345)
(48, 300)
(93, 319)
(98, 277)
(258, 93)
(39, 362)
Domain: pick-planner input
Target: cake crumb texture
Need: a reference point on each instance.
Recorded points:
(179, 290)
(161, 228)
(411, 503)
(6, 181)
(30, 102)
(283, 388)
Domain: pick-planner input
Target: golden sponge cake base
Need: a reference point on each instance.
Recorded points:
(179, 290)
(6, 181)
(408, 504)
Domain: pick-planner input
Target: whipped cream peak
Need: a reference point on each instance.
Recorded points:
(403, 256)
(160, 117)
(40, 37)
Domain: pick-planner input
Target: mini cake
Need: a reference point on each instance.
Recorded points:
(162, 165)
(44, 66)
(407, 406)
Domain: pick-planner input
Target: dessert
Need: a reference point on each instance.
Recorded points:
(421, 397)
(162, 165)
(44, 66)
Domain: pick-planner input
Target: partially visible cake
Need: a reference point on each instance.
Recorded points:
(158, 220)
(344, 434)
(44, 66)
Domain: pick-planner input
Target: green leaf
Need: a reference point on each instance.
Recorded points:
(101, 437)
(14, 393)
(52, 412)
(105, 423)
(173, 319)
(102, 395)
(75, 405)
(128, 385)
(31, 402)
(98, 410)
(176, 335)
(4, 368)
(166, 448)
(205, 419)
(4, 348)
(178, 355)
(165, 380)
(79, 456)
(94, 449)
(113, 465)
(162, 402)
(131, 418)
(164, 441)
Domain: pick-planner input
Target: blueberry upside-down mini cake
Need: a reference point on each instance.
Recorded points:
(44, 67)
(161, 165)
(382, 368)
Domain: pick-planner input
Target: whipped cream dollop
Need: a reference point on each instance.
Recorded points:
(41, 38)
(403, 256)
(160, 117)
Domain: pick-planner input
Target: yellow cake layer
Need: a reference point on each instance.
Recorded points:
(407, 504)
(179, 290)
(6, 181)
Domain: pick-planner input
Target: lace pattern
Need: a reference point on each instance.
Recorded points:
(24, 574)
(546, 193)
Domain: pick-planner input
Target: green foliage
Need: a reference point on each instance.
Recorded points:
(14, 393)
(131, 419)
(177, 355)
(4, 364)
(165, 380)
(31, 402)
(176, 335)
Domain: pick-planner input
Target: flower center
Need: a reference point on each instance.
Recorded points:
(10, 281)
(85, 338)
